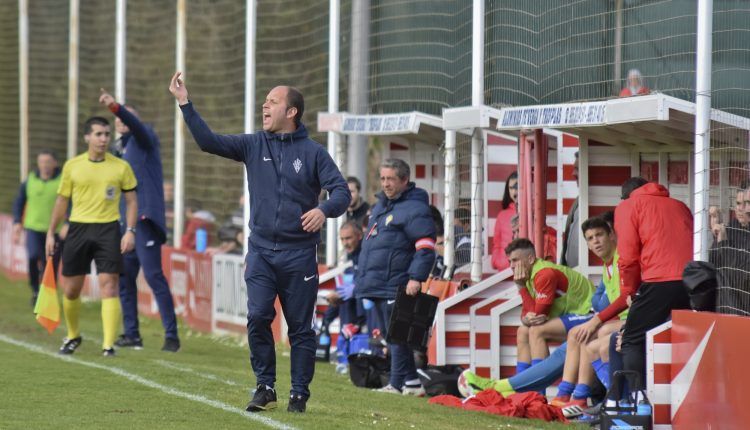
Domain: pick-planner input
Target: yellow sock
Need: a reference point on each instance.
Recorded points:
(111, 319)
(72, 311)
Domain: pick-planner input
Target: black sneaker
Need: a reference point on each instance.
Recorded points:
(109, 352)
(297, 403)
(125, 341)
(171, 345)
(264, 399)
(69, 346)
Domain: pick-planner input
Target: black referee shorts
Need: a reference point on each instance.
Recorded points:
(86, 242)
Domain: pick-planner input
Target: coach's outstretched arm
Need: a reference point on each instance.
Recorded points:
(235, 147)
(139, 130)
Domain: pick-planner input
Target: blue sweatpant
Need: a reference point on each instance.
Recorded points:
(292, 275)
(542, 375)
(147, 254)
(35, 252)
(403, 367)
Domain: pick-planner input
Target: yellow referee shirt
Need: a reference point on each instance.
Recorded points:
(94, 187)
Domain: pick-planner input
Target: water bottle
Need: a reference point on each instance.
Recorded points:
(325, 339)
(643, 408)
(201, 240)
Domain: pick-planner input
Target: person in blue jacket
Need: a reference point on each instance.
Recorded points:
(139, 146)
(398, 252)
(286, 171)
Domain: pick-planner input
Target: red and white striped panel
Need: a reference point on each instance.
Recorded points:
(427, 166)
(658, 374)
(502, 159)
(453, 321)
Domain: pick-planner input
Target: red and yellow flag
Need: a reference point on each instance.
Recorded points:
(47, 308)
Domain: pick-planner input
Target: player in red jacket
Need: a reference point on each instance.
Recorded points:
(655, 242)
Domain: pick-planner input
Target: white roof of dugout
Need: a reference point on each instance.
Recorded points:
(398, 124)
(654, 122)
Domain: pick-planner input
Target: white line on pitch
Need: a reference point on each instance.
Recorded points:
(210, 377)
(149, 383)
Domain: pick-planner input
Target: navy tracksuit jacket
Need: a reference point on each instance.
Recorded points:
(140, 148)
(285, 173)
(399, 246)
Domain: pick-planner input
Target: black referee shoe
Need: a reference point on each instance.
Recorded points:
(297, 403)
(264, 399)
(69, 346)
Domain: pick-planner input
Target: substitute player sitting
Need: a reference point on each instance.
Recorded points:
(555, 299)
(94, 182)
(587, 356)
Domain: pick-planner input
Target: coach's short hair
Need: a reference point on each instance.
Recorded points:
(294, 99)
(400, 166)
(522, 244)
(354, 225)
(631, 185)
(49, 152)
(355, 181)
(94, 120)
(596, 222)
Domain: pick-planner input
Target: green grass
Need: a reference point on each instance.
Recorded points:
(149, 388)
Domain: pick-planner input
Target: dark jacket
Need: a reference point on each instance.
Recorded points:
(732, 260)
(399, 245)
(141, 149)
(286, 173)
(359, 215)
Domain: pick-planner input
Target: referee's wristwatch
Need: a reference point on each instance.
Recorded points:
(131, 229)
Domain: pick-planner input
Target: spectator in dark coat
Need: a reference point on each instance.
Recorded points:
(398, 252)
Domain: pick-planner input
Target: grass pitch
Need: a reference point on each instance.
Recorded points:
(204, 386)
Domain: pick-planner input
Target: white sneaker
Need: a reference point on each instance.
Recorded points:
(342, 368)
(390, 389)
(416, 391)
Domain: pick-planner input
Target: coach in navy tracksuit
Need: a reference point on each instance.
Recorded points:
(140, 147)
(286, 171)
(398, 252)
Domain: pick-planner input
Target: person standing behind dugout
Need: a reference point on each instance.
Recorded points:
(398, 252)
(94, 181)
(286, 171)
(32, 211)
(140, 147)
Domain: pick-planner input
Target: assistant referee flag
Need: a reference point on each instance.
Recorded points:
(47, 308)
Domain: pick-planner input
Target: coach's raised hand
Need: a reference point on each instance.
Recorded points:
(178, 90)
(105, 98)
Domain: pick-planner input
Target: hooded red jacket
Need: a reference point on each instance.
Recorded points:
(654, 241)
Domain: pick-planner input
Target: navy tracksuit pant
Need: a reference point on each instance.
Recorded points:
(35, 252)
(292, 275)
(147, 254)
(403, 367)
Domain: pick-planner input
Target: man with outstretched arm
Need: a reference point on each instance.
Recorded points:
(140, 147)
(286, 171)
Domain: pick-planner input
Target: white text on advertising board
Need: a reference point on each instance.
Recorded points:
(550, 116)
(389, 124)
